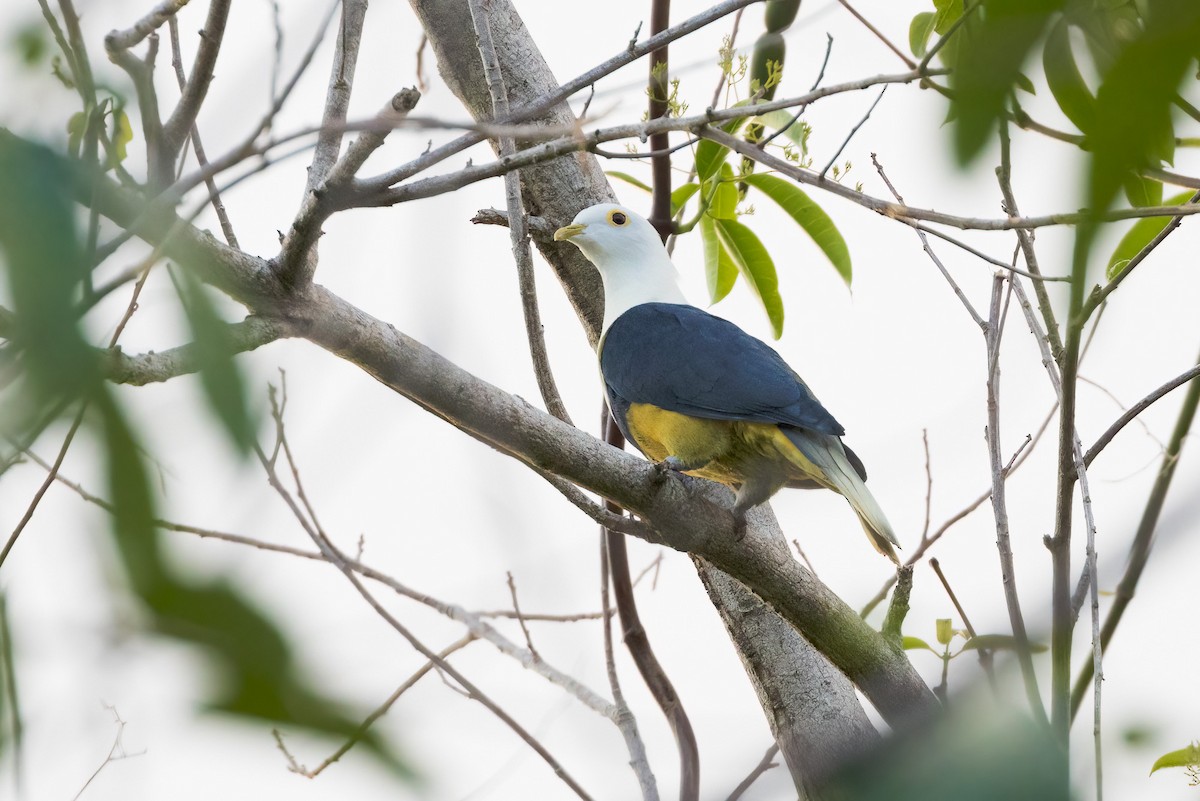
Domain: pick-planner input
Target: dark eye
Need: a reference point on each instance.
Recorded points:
(618, 218)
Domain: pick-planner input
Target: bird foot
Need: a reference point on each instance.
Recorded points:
(671, 466)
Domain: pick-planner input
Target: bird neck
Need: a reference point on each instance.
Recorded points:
(633, 285)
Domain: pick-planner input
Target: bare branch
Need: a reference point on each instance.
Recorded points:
(929, 251)
(992, 332)
(156, 367)
(625, 719)
(179, 124)
(764, 764)
(518, 232)
(1137, 408)
(337, 97)
(131, 36)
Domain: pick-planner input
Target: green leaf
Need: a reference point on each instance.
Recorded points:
(133, 503)
(755, 263)
(1140, 235)
(993, 46)
(720, 272)
(1024, 84)
(998, 642)
(1066, 83)
(809, 216)
(794, 129)
(948, 13)
(709, 155)
(945, 630)
(1133, 105)
(76, 126)
(629, 179)
(254, 673)
(724, 194)
(682, 195)
(1143, 192)
(44, 262)
(919, 31)
(219, 375)
(122, 135)
(1182, 758)
(916, 643)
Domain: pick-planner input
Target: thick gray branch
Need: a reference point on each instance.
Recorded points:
(682, 519)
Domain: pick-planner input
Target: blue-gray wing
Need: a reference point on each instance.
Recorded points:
(685, 360)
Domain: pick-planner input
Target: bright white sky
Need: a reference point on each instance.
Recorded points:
(449, 516)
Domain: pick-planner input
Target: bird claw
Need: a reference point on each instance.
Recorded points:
(671, 466)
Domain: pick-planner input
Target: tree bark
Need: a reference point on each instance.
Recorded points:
(810, 705)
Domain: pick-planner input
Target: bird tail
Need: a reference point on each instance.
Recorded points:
(826, 453)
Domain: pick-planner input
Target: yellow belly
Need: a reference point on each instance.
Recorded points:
(731, 451)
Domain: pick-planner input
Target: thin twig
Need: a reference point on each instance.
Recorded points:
(1018, 458)
(512, 589)
(134, 34)
(201, 158)
(583, 81)
(337, 93)
(929, 251)
(334, 556)
(1080, 470)
(625, 719)
(1143, 540)
(928, 483)
(376, 714)
(764, 764)
(1137, 409)
(908, 62)
(992, 332)
(518, 233)
(1025, 238)
(1100, 294)
(850, 135)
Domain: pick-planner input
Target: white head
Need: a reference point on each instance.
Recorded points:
(631, 258)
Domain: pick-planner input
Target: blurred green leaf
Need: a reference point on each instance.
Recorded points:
(919, 31)
(945, 630)
(1143, 192)
(133, 503)
(720, 272)
(993, 48)
(754, 262)
(629, 179)
(1140, 235)
(1133, 104)
(45, 264)
(1066, 83)
(795, 130)
(975, 752)
(916, 643)
(809, 216)
(1024, 84)
(682, 195)
(10, 710)
(122, 135)
(1183, 758)
(256, 674)
(219, 374)
(31, 43)
(998, 642)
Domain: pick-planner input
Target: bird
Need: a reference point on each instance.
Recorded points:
(698, 395)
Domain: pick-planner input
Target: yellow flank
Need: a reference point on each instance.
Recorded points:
(731, 451)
